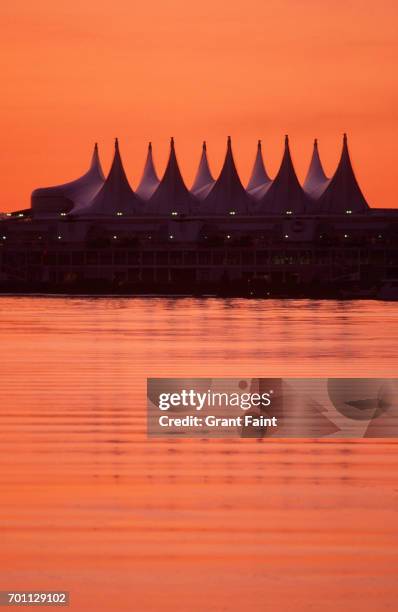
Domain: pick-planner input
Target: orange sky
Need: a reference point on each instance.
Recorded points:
(76, 72)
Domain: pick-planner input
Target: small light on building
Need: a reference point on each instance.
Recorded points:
(286, 235)
(380, 236)
(289, 212)
(119, 214)
(228, 236)
(232, 212)
(40, 237)
(348, 212)
(149, 237)
(114, 237)
(63, 214)
(59, 237)
(20, 215)
(9, 214)
(4, 237)
(345, 235)
(171, 236)
(174, 213)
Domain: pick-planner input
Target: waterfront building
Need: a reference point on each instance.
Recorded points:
(275, 237)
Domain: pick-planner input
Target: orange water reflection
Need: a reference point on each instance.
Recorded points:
(90, 506)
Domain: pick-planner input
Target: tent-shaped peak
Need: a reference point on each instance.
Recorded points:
(204, 180)
(149, 181)
(343, 194)
(285, 194)
(316, 180)
(227, 196)
(171, 195)
(259, 177)
(62, 198)
(116, 196)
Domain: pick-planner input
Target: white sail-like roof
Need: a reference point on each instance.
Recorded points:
(228, 196)
(316, 180)
(149, 181)
(171, 195)
(259, 180)
(115, 196)
(62, 198)
(285, 194)
(343, 194)
(204, 180)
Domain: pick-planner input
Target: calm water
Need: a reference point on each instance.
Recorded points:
(90, 506)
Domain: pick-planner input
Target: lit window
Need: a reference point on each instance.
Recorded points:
(119, 214)
(59, 237)
(9, 214)
(348, 212)
(345, 235)
(174, 213)
(289, 212)
(20, 215)
(171, 236)
(228, 236)
(232, 212)
(63, 214)
(114, 237)
(4, 237)
(286, 235)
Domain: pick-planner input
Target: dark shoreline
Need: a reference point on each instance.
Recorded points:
(340, 293)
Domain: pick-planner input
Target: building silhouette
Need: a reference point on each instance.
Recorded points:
(272, 237)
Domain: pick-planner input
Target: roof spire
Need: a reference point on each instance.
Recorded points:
(204, 180)
(95, 165)
(116, 195)
(259, 180)
(227, 194)
(77, 193)
(343, 192)
(171, 195)
(149, 180)
(285, 193)
(316, 180)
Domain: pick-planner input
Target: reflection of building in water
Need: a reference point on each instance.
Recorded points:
(275, 236)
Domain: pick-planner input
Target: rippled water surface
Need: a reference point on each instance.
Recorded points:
(91, 506)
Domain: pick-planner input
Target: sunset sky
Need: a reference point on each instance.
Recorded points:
(78, 72)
